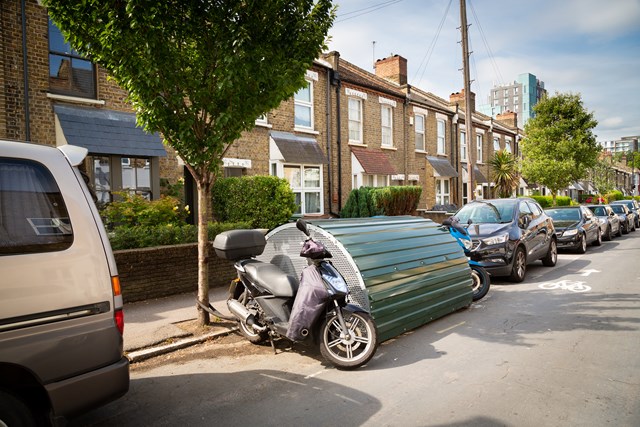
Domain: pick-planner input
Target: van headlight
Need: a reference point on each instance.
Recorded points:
(568, 233)
(496, 240)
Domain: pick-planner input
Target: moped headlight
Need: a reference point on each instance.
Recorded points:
(495, 240)
(570, 232)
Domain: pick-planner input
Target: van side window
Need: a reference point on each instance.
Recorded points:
(33, 216)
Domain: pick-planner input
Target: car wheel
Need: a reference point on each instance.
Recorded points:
(582, 244)
(620, 228)
(552, 254)
(598, 240)
(607, 234)
(519, 268)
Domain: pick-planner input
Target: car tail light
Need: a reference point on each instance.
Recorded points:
(118, 314)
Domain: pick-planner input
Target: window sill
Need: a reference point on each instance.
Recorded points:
(305, 130)
(357, 144)
(264, 125)
(75, 99)
(421, 151)
(389, 148)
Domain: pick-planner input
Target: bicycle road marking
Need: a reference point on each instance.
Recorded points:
(566, 285)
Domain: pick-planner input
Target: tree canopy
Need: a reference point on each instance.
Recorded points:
(559, 147)
(199, 72)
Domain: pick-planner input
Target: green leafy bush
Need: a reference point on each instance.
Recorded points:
(368, 201)
(166, 234)
(614, 195)
(547, 201)
(263, 201)
(134, 210)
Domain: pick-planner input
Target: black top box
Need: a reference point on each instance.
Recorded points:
(238, 244)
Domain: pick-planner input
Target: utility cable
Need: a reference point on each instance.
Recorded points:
(364, 11)
(492, 59)
(427, 56)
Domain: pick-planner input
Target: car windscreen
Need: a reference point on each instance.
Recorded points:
(484, 211)
(599, 210)
(618, 209)
(564, 214)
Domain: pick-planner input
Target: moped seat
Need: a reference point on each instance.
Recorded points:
(272, 278)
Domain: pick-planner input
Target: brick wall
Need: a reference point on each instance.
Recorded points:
(168, 270)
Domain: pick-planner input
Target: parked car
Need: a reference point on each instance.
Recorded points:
(509, 234)
(626, 217)
(633, 207)
(576, 227)
(609, 221)
(61, 319)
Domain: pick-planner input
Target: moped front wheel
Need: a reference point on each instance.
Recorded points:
(350, 348)
(481, 282)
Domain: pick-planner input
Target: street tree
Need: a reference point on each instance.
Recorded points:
(559, 147)
(199, 72)
(505, 172)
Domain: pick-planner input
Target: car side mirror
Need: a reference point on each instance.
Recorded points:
(524, 221)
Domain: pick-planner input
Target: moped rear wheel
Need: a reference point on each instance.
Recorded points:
(256, 337)
(481, 282)
(352, 349)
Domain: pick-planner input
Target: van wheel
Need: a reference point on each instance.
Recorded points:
(14, 411)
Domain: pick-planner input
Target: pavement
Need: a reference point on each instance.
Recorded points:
(152, 328)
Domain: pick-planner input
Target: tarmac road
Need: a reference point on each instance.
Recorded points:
(560, 349)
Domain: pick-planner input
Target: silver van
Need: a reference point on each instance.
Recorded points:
(61, 319)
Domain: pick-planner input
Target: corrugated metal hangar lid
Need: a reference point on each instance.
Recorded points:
(404, 270)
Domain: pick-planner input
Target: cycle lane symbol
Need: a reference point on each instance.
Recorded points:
(567, 285)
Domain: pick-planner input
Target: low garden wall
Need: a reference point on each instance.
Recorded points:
(157, 272)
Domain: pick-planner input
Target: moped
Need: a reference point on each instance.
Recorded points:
(480, 276)
(267, 303)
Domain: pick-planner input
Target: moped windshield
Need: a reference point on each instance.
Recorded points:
(334, 280)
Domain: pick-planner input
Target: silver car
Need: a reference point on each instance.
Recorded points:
(609, 221)
(627, 218)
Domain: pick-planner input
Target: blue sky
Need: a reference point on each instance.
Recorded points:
(590, 47)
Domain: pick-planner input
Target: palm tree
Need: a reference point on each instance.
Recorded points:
(505, 172)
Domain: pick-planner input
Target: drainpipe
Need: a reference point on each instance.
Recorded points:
(454, 138)
(329, 157)
(336, 81)
(25, 73)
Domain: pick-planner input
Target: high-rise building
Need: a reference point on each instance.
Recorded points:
(622, 145)
(520, 97)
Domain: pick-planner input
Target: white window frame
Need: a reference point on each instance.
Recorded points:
(375, 180)
(355, 121)
(302, 189)
(496, 143)
(507, 145)
(420, 131)
(443, 191)
(302, 103)
(463, 145)
(479, 147)
(441, 137)
(386, 112)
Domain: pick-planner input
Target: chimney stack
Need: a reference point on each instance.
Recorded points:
(458, 98)
(508, 118)
(393, 68)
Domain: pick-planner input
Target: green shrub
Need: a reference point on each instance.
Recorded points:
(166, 234)
(134, 210)
(263, 201)
(547, 201)
(369, 201)
(614, 195)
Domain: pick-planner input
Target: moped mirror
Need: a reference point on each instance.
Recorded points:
(302, 226)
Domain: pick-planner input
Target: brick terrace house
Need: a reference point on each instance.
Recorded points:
(51, 95)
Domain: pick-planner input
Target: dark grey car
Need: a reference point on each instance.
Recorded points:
(626, 217)
(509, 234)
(633, 207)
(576, 227)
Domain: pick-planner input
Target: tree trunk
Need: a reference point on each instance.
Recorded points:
(204, 192)
(553, 198)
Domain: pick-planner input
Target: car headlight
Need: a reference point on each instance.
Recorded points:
(572, 232)
(602, 220)
(495, 240)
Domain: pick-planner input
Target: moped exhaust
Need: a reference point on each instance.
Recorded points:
(240, 311)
